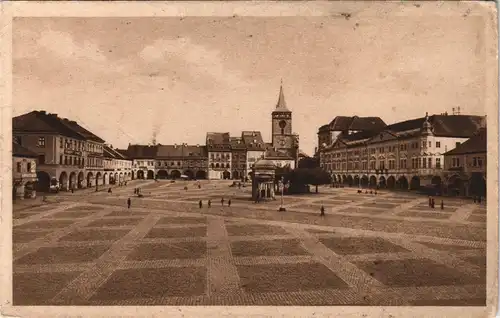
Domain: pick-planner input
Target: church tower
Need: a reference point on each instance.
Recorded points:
(282, 137)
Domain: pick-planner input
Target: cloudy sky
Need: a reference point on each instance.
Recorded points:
(124, 78)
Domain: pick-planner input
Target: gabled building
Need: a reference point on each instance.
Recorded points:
(68, 154)
(256, 148)
(239, 152)
(219, 155)
(465, 166)
(23, 172)
(344, 125)
(405, 155)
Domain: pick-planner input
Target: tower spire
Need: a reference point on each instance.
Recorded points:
(281, 104)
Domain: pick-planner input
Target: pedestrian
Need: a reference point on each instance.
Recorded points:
(222, 201)
(129, 202)
(73, 190)
(371, 191)
(229, 202)
(322, 211)
(375, 192)
(433, 203)
(209, 203)
(442, 205)
(109, 190)
(199, 186)
(200, 204)
(475, 199)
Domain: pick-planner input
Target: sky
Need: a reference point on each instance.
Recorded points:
(127, 78)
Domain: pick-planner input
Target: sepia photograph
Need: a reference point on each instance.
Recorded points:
(330, 154)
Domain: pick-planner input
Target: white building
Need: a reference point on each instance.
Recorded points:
(404, 155)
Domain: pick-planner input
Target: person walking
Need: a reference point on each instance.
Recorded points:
(229, 202)
(129, 202)
(209, 203)
(433, 203)
(222, 201)
(200, 204)
(322, 211)
(442, 205)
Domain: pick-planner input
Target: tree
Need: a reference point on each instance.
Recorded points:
(318, 177)
(309, 163)
(300, 178)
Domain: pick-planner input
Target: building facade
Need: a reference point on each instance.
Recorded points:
(239, 152)
(117, 167)
(219, 155)
(404, 155)
(173, 161)
(465, 166)
(24, 179)
(67, 153)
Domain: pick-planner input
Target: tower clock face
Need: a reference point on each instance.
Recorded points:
(282, 124)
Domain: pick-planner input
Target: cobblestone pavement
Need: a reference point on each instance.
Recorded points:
(384, 249)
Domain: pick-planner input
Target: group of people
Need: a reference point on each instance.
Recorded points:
(209, 203)
(477, 199)
(432, 203)
(366, 191)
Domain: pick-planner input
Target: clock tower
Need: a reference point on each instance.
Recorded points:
(282, 136)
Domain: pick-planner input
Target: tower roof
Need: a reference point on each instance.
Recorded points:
(281, 104)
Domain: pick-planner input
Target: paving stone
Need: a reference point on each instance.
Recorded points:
(115, 222)
(362, 210)
(154, 282)
(360, 245)
(449, 302)
(267, 248)
(168, 251)
(92, 208)
(19, 236)
(446, 247)
(95, 235)
(37, 288)
(429, 215)
(481, 262)
(379, 205)
(415, 273)
(477, 218)
(45, 224)
(177, 232)
(73, 254)
(181, 220)
(127, 213)
(69, 214)
(288, 277)
(254, 229)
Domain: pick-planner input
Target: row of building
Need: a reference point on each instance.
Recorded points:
(59, 154)
(443, 152)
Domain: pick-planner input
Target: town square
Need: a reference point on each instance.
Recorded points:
(220, 161)
(384, 249)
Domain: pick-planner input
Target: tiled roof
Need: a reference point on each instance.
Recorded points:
(237, 143)
(475, 144)
(141, 151)
(41, 121)
(253, 140)
(20, 151)
(340, 123)
(443, 125)
(113, 153)
(284, 154)
(178, 151)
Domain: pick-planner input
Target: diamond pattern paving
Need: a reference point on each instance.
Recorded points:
(360, 245)
(165, 250)
(155, 282)
(295, 277)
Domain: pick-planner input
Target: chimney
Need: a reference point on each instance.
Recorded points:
(43, 112)
(175, 146)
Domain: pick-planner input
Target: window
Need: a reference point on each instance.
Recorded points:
(424, 163)
(41, 159)
(430, 144)
(60, 159)
(19, 166)
(429, 162)
(455, 162)
(457, 144)
(382, 165)
(474, 162)
(438, 144)
(479, 162)
(41, 142)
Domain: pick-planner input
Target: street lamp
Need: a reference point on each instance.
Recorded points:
(282, 185)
